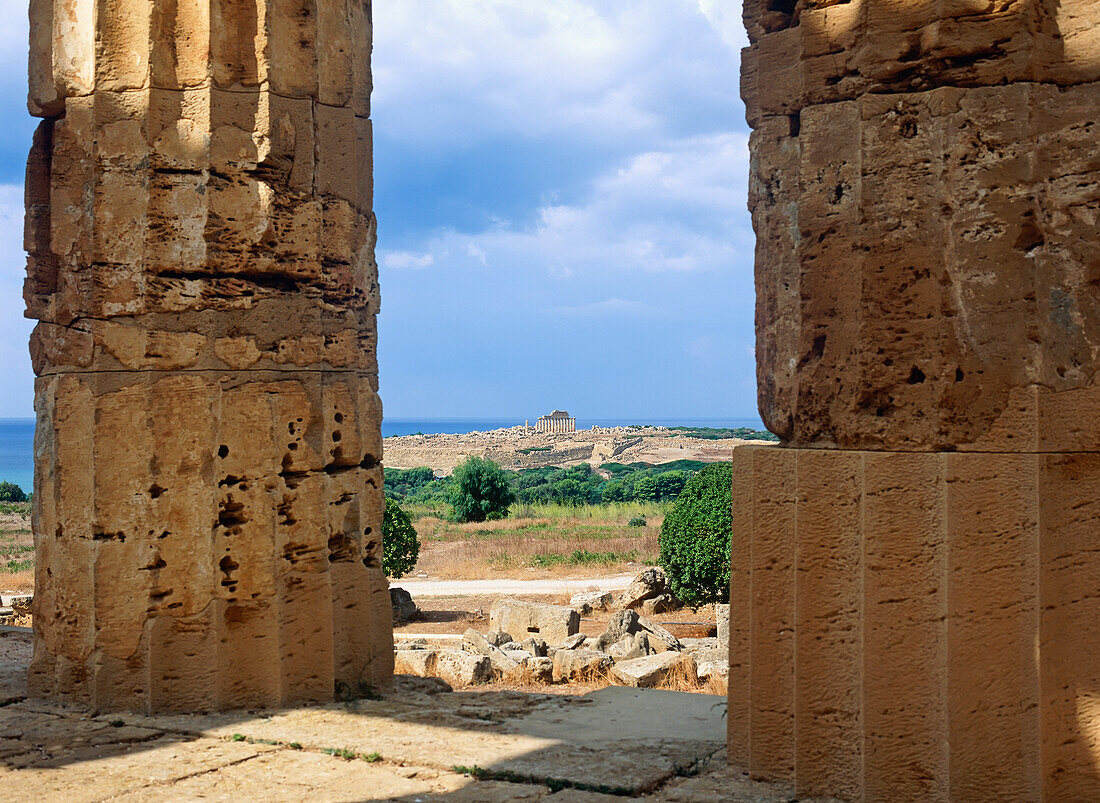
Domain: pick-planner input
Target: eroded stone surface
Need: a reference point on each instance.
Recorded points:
(908, 611)
(201, 263)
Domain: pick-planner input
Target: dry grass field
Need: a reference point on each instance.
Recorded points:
(540, 541)
(16, 548)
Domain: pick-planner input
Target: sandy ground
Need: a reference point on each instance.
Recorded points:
(512, 588)
(15, 536)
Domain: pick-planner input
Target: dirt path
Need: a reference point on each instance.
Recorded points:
(513, 588)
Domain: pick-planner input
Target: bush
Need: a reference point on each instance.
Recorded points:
(637, 521)
(480, 490)
(400, 543)
(10, 492)
(695, 537)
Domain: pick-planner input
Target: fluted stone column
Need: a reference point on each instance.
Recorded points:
(208, 494)
(914, 606)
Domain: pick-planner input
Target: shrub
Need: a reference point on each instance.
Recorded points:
(480, 489)
(400, 543)
(637, 521)
(695, 537)
(10, 492)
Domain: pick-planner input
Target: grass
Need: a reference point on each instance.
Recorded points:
(556, 539)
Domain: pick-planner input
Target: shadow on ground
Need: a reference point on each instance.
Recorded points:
(418, 741)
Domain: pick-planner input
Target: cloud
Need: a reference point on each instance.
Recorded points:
(454, 70)
(17, 390)
(610, 306)
(677, 209)
(404, 260)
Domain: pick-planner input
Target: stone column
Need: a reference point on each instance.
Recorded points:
(208, 494)
(914, 606)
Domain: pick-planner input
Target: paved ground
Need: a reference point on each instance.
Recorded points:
(455, 588)
(419, 742)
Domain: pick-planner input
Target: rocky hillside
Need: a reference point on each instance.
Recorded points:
(519, 447)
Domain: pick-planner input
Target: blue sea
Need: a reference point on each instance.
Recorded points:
(17, 434)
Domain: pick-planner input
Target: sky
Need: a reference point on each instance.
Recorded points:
(560, 189)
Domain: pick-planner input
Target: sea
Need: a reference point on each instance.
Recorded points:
(17, 434)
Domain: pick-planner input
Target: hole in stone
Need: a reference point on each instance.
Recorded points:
(155, 491)
(338, 418)
(290, 428)
(908, 128)
(336, 435)
(916, 376)
(795, 123)
(292, 446)
(532, 630)
(228, 566)
(958, 375)
(223, 451)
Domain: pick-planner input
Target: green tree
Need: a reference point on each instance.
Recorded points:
(10, 492)
(400, 543)
(645, 489)
(695, 537)
(480, 490)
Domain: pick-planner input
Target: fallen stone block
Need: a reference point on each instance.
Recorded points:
(535, 646)
(541, 670)
(460, 668)
(521, 657)
(574, 641)
(419, 662)
(632, 645)
(512, 645)
(722, 616)
(653, 582)
(653, 669)
(475, 643)
(572, 666)
(708, 669)
(628, 622)
(498, 638)
(525, 619)
(404, 609)
(588, 602)
(659, 604)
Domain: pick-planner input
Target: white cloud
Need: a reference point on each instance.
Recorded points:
(17, 390)
(454, 71)
(679, 209)
(610, 306)
(406, 260)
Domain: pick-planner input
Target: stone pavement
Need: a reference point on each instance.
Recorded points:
(418, 742)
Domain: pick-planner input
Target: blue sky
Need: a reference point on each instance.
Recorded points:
(560, 188)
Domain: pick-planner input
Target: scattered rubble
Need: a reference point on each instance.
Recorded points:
(531, 642)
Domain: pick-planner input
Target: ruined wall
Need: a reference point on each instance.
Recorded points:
(208, 495)
(914, 570)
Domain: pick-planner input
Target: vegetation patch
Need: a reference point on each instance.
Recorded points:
(721, 433)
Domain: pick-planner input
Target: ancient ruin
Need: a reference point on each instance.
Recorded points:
(914, 593)
(207, 483)
(557, 421)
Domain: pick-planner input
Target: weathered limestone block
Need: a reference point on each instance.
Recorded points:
(201, 263)
(910, 605)
(553, 623)
(924, 280)
(930, 632)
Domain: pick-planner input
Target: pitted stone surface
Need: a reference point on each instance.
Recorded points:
(201, 263)
(909, 610)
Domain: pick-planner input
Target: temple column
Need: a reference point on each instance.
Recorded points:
(208, 493)
(913, 596)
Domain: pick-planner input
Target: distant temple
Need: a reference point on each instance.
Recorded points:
(557, 421)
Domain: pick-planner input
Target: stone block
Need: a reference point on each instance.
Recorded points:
(722, 617)
(578, 666)
(654, 669)
(552, 623)
(460, 668)
(941, 561)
